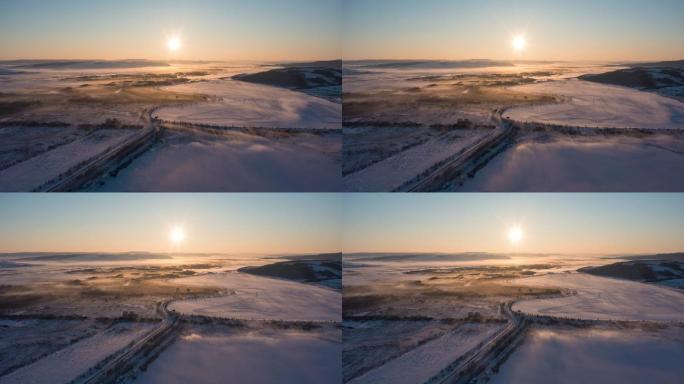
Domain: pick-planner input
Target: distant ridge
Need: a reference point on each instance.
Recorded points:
(86, 64)
(669, 64)
(676, 256)
(666, 269)
(434, 64)
(334, 64)
(325, 268)
(665, 78)
(95, 256)
(337, 256)
(298, 76)
(422, 257)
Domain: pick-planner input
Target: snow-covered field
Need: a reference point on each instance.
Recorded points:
(422, 363)
(67, 95)
(379, 287)
(369, 344)
(600, 298)
(596, 356)
(84, 94)
(35, 172)
(253, 297)
(27, 340)
(601, 163)
(101, 285)
(369, 77)
(442, 92)
(253, 105)
(283, 357)
(407, 94)
(18, 143)
(668, 272)
(666, 79)
(589, 104)
(67, 364)
(381, 268)
(184, 162)
(394, 171)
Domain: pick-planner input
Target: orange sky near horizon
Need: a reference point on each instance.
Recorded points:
(231, 223)
(579, 30)
(256, 30)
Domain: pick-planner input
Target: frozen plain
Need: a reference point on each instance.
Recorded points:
(601, 298)
(253, 357)
(260, 298)
(219, 119)
(88, 309)
(591, 136)
(574, 312)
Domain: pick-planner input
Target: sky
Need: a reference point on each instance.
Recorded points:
(550, 223)
(257, 30)
(212, 223)
(311, 223)
(582, 30)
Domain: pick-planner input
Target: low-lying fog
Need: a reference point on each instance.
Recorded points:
(169, 314)
(507, 310)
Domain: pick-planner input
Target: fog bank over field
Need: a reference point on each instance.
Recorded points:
(142, 316)
(505, 312)
(595, 355)
(476, 126)
(143, 125)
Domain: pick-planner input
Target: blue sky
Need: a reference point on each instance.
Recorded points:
(292, 223)
(599, 30)
(120, 222)
(594, 30)
(554, 223)
(210, 29)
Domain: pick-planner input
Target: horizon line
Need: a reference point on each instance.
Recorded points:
(341, 59)
(509, 253)
(173, 252)
(518, 60)
(171, 60)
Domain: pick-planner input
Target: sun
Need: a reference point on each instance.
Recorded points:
(177, 235)
(174, 43)
(519, 43)
(515, 234)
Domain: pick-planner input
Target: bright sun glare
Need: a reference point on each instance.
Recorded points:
(177, 235)
(174, 44)
(515, 234)
(519, 43)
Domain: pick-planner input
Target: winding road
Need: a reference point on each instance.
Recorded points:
(125, 359)
(478, 360)
(467, 161)
(98, 165)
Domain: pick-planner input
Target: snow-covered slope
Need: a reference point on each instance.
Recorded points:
(326, 272)
(595, 356)
(585, 164)
(422, 363)
(252, 297)
(292, 357)
(48, 166)
(243, 104)
(665, 80)
(600, 298)
(67, 364)
(654, 271)
(588, 104)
